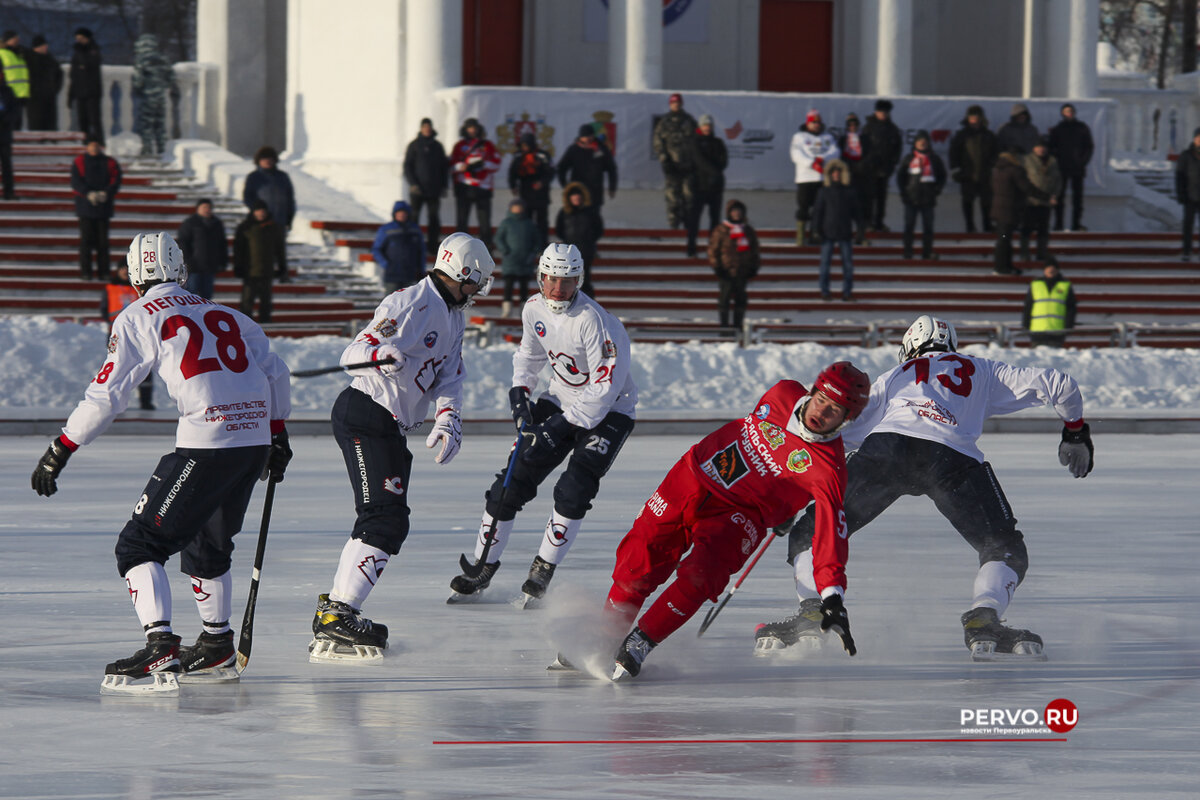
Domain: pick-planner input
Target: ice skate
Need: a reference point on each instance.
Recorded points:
(342, 634)
(803, 627)
(210, 660)
(989, 640)
(470, 590)
(631, 654)
(152, 669)
(534, 587)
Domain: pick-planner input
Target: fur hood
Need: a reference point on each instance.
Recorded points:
(570, 189)
(733, 203)
(844, 174)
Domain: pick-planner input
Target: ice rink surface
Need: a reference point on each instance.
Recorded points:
(463, 707)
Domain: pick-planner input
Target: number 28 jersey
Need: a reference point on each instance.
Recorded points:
(216, 362)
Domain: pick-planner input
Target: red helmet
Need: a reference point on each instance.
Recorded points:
(846, 385)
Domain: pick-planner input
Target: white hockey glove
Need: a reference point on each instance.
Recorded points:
(388, 369)
(447, 428)
(1075, 451)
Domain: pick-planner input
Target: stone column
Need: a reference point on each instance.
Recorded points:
(616, 44)
(229, 33)
(432, 61)
(893, 67)
(643, 45)
(1081, 48)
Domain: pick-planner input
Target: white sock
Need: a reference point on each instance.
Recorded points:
(503, 529)
(806, 585)
(214, 601)
(560, 532)
(151, 595)
(994, 586)
(358, 569)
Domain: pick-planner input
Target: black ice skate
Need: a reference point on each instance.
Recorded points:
(210, 659)
(469, 590)
(804, 625)
(534, 587)
(154, 668)
(341, 633)
(631, 654)
(989, 640)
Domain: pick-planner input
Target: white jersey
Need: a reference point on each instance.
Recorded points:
(945, 397)
(216, 362)
(806, 148)
(588, 352)
(421, 325)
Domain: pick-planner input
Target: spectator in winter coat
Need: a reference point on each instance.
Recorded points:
(733, 255)
(836, 215)
(474, 163)
(205, 248)
(882, 144)
(851, 145)
(15, 72)
(85, 89)
(259, 256)
(45, 82)
(1187, 189)
(399, 249)
(427, 172)
(153, 81)
(1019, 134)
(520, 243)
(711, 160)
(1043, 172)
(1071, 144)
(95, 181)
(973, 152)
(529, 177)
(1010, 187)
(811, 147)
(920, 178)
(1050, 307)
(587, 161)
(579, 223)
(272, 186)
(675, 149)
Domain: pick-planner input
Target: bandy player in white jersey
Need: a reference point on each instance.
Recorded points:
(918, 437)
(586, 413)
(233, 397)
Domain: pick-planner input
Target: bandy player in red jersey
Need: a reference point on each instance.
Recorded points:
(725, 494)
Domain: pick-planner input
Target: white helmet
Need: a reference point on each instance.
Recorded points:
(155, 257)
(465, 259)
(560, 261)
(928, 333)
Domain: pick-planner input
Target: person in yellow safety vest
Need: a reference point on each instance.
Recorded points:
(16, 74)
(1049, 307)
(117, 294)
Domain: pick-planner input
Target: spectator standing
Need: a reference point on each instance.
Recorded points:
(6, 141)
(1071, 143)
(851, 146)
(474, 161)
(45, 82)
(1187, 189)
(116, 295)
(1042, 169)
(427, 171)
(272, 186)
(95, 180)
(733, 254)
(1049, 307)
(675, 149)
(16, 74)
(399, 249)
(973, 153)
(520, 243)
(882, 145)
(1019, 134)
(579, 223)
(836, 215)
(205, 248)
(920, 178)
(1011, 187)
(259, 256)
(711, 160)
(529, 177)
(86, 86)
(588, 160)
(811, 147)
(153, 81)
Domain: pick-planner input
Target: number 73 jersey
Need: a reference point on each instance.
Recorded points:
(946, 397)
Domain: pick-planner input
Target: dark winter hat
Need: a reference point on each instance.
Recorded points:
(1065, 106)
(975, 111)
(265, 152)
(586, 129)
(257, 204)
(38, 41)
(204, 200)
(1018, 108)
(528, 139)
(922, 135)
(425, 121)
(91, 137)
(1042, 141)
(84, 32)
(852, 117)
(883, 105)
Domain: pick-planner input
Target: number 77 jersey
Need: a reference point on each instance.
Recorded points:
(946, 397)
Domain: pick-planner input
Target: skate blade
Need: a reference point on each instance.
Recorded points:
(456, 599)
(620, 674)
(223, 674)
(771, 646)
(985, 652)
(162, 683)
(526, 602)
(561, 664)
(328, 651)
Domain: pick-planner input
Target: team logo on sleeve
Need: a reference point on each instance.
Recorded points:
(799, 460)
(386, 328)
(112, 343)
(431, 338)
(763, 411)
(726, 467)
(539, 328)
(772, 433)
(609, 349)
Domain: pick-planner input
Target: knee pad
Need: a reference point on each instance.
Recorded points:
(384, 527)
(574, 492)
(1012, 553)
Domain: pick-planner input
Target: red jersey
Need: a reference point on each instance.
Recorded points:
(760, 462)
(474, 162)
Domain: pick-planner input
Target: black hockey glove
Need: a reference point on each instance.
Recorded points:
(278, 457)
(49, 465)
(834, 618)
(1075, 451)
(542, 441)
(518, 400)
